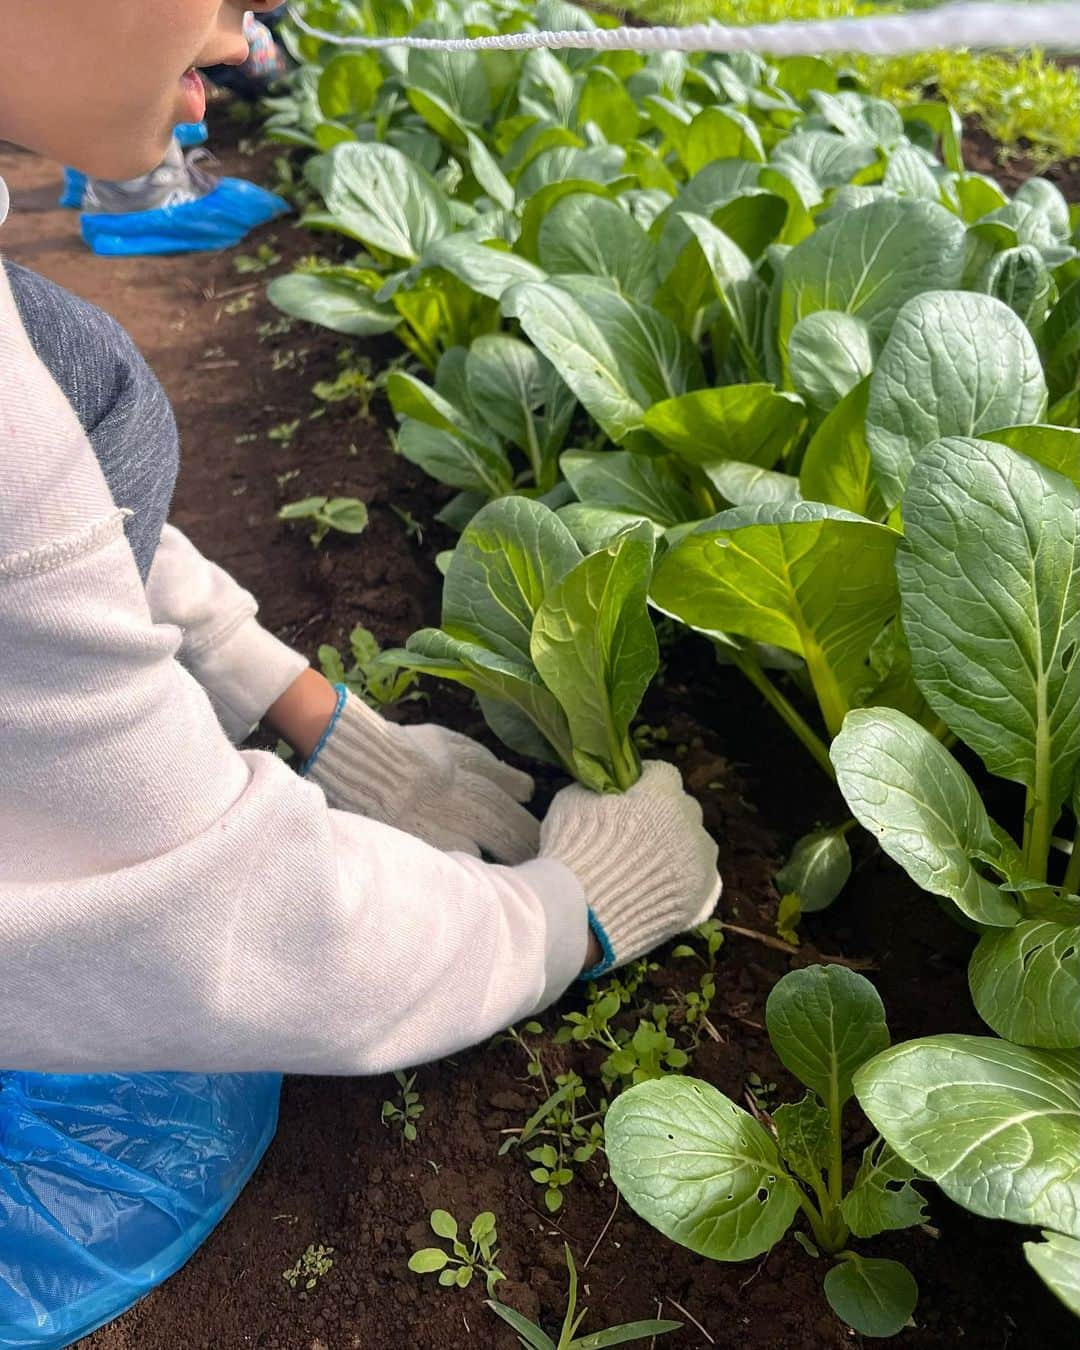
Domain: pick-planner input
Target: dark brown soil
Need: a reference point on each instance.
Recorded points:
(334, 1175)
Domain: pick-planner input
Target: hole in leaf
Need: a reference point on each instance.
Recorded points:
(671, 1137)
(762, 1195)
(1069, 953)
(893, 1185)
(1068, 655)
(1030, 955)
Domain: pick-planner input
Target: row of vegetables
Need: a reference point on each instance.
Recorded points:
(735, 344)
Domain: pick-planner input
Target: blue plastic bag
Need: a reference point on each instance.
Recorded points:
(109, 1182)
(219, 220)
(71, 194)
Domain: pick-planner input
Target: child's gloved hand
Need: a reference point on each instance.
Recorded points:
(644, 860)
(430, 782)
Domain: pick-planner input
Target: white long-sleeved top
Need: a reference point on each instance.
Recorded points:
(166, 900)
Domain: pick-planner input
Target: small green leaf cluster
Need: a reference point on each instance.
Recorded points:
(533, 1337)
(371, 676)
(407, 1112)
(310, 1268)
(457, 1267)
(565, 1117)
(346, 515)
(714, 1178)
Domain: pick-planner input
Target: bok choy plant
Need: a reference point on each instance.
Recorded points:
(557, 643)
(729, 1186)
(989, 577)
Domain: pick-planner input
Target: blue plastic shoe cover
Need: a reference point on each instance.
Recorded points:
(219, 220)
(190, 133)
(109, 1182)
(74, 187)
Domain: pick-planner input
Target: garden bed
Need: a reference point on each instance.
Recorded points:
(334, 1175)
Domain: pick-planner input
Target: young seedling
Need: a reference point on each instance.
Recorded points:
(371, 676)
(347, 515)
(716, 1179)
(284, 431)
(571, 1130)
(263, 257)
(457, 1267)
(406, 1113)
(309, 1269)
(534, 1337)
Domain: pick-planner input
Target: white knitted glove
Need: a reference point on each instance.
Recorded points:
(430, 782)
(644, 860)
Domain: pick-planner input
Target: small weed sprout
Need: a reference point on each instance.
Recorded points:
(408, 1112)
(565, 1130)
(347, 515)
(711, 933)
(357, 381)
(457, 1267)
(371, 677)
(315, 1263)
(263, 258)
(533, 1337)
(285, 432)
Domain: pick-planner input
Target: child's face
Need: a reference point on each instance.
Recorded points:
(99, 84)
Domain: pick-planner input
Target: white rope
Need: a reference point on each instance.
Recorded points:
(972, 25)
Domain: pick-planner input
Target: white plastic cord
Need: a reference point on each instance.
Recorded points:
(973, 25)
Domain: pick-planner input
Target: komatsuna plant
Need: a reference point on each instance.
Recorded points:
(989, 578)
(557, 644)
(710, 1176)
(997, 1127)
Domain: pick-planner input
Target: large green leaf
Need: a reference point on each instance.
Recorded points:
(997, 1126)
(955, 364)
(828, 355)
(511, 554)
(464, 462)
(817, 870)
(824, 1022)
(487, 267)
(518, 394)
(837, 467)
(806, 577)
(617, 356)
(874, 1296)
(754, 423)
(1056, 1261)
(882, 1198)
(349, 83)
(594, 647)
(604, 101)
(334, 302)
(712, 266)
(502, 685)
(1059, 342)
(699, 1168)
(1026, 983)
(990, 584)
(384, 199)
(870, 262)
(584, 233)
(621, 481)
(1020, 279)
(1056, 448)
(905, 788)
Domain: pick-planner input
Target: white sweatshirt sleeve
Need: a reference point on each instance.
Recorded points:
(169, 902)
(242, 667)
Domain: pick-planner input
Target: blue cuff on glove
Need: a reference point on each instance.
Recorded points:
(309, 763)
(607, 960)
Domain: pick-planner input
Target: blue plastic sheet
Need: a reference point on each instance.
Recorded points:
(219, 220)
(109, 1182)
